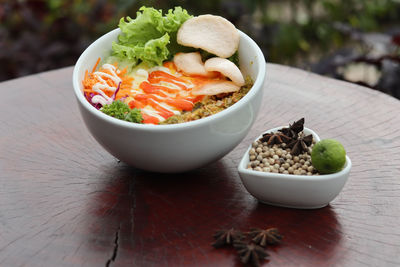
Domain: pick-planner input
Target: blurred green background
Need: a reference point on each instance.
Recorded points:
(353, 40)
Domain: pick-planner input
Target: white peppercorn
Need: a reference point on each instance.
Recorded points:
(285, 165)
(278, 159)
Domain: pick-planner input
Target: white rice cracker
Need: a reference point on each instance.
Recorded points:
(211, 33)
(190, 64)
(215, 88)
(226, 68)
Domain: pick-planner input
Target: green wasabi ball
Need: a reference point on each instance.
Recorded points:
(328, 156)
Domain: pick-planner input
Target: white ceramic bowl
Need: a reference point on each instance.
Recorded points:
(179, 147)
(293, 191)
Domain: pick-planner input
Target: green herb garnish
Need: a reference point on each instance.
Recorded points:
(120, 110)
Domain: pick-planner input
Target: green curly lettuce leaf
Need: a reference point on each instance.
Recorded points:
(151, 37)
(120, 110)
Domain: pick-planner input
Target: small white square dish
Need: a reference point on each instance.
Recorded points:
(289, 190)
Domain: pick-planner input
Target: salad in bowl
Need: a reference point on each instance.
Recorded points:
(170, 92)
(168, 69)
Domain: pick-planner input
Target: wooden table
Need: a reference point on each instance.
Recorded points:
(64, 201)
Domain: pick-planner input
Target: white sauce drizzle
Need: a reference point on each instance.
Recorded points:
(164, 69)
(165, 105)
(171, 85)
(98, 99)
(102, 98)
(102, 85)
(151, 112)
(169, 108)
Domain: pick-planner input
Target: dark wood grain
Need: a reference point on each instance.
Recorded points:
(64, 201)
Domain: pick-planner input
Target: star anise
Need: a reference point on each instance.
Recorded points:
(294, 129)
(265, 237)
(250, 253)
(275, 138)
(227, 237)
(300, 145)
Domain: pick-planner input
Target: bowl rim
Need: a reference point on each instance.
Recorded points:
(268, 175)
(258, 83)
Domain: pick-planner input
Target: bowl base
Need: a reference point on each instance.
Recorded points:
(303, 207)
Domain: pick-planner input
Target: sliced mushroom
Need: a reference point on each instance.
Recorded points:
(211, 33)
(225, 67)
(215, 88)
(190, 63)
